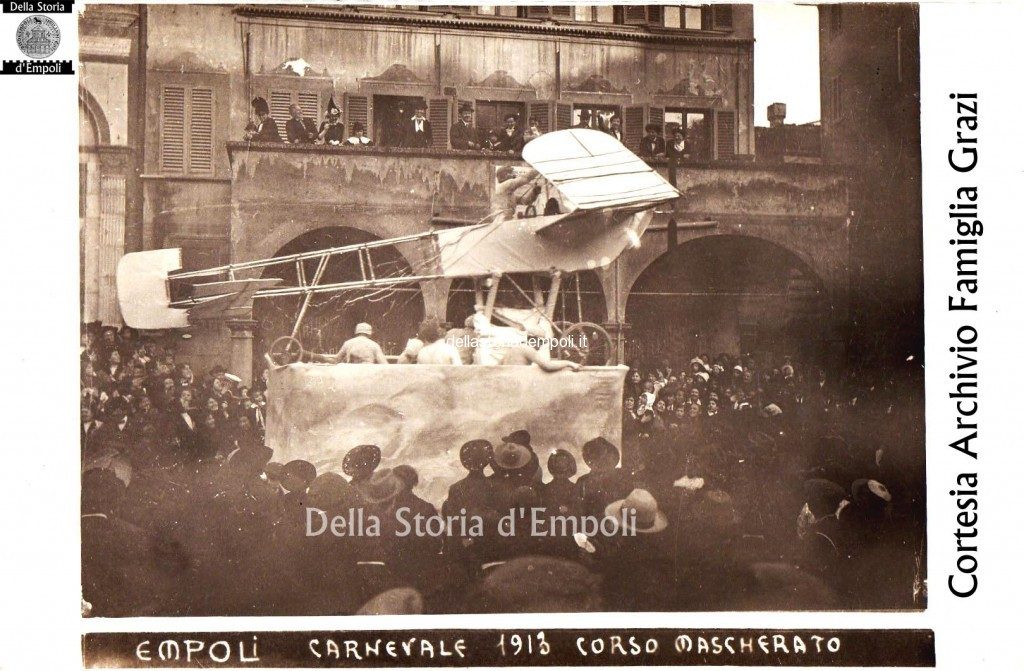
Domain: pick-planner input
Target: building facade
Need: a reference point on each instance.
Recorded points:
(751, 257)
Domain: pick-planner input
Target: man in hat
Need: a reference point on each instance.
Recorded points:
(514, 466)
(360, 462)
(299, 129)
(417, 132)
(332, 130)
(361, 348)
(652, 145)
(510, 138)
(605, 482)
(473, 492)
(463, 135)
(585, 119)
(263, 128)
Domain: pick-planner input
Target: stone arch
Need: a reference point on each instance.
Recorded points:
(395, 313)
(728, 293)
(94, 112)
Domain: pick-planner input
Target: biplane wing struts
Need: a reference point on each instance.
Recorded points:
(607, 193)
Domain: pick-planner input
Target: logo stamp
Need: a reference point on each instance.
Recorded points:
(38, 36)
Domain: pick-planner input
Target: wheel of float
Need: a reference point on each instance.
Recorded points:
(285, 350)
(587, 344)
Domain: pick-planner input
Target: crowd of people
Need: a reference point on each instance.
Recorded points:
(744, 488)
(417, 132)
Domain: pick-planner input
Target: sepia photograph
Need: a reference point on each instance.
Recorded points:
(448, 309)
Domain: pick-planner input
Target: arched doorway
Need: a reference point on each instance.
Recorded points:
(580, 298)
(726, 293)
(394, 312)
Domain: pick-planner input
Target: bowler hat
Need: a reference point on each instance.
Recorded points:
(297, 475)
(520, 437)
(360, 459)
(562, 464)
(600, 451)
(476, 454)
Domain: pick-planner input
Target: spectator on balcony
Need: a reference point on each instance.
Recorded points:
(417, 131)
(652, 145)
(585, 120)
(510, 139)
(533, 132)
(615, 127)
(263, 128)
(463, 135)
(359, 137)
(492, 143)
(675, 151)
(332, 130)
(299, 129)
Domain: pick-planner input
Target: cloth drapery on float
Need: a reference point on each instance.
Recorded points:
(421, 415)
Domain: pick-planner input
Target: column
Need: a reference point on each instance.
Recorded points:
(242, 331)
(618, 331)
(111, 245)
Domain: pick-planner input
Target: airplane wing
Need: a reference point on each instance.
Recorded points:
(592, 170)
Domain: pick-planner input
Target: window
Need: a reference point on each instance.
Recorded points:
(721, 17)
(490, 114)
(696, 133)
(448, 9)
(697, 17)
(639, 14)
(390, 115)
(498, 10)
(186, 129)
(549, 12)
(595, 13)
(598, 117)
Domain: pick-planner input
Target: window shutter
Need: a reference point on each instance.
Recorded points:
(632, 127)
(280, 101)
(537, 11)
(656, 115)
(541, 111)
(655, 14)
(437, 113)
(725, 134)
(722, 16)
(172, 129)
(200, 131)
(634, 14)
(563, 116)
(562, 11)
(357, 110)
(309, 102)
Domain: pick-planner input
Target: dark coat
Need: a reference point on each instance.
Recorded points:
(300, 131)
(461, 135)
(411, 138)
(651, 147)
